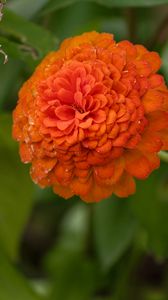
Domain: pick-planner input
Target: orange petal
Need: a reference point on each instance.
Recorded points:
(65, 112)
(41, 167)
(62, 125)
(141, 50)
(154, 60)
(121, 139)
(164, 92)
(19, 120)
(99, 116)
(137, 164)
(118, 171)
(35, 135)
(104, 40)
(118, 61)
(104, 148)
(82, 173)
(44, 182)
(133, 141)
(125, 186)
(155, 80)
(158, 120)
(111, 117)
(116, 152)
(63, 174)
(97, 193)
(83, 165)
(81, 188)
(141, 165)
(143, 67)
(129, 48)
(63, 191)
(105, 171)
(25, 153)
(86, 124)
(163, 134)
(150, 142)
(87, 37)
(153, 159)
(94, 158)
(152, 101)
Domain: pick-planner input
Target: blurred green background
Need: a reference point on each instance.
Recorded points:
(55, 249)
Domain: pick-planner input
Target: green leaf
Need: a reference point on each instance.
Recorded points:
(55, 5)
(26, 8)
(74, 228)
(133, 3)
(18, 51)
(154, 294)
(16, 192)
(73, 276)
(39, 40)
(164, 56)
(68, 263)
(8, 74)
(75, 19)
(150, 207)
(12, 284)
(114, 229)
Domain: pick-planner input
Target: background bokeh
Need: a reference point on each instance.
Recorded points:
(56, 249)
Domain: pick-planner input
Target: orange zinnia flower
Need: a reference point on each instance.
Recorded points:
(92, 116)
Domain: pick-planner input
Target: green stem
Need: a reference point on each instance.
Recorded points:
(90, 235)
(163, 156)
(1, 15)
(123, 288)
(160, 35)
(131, 23)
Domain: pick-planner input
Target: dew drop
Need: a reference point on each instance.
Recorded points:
(31, 121)
(27, 140)
(32, 148)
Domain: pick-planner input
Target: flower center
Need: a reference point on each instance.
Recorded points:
(94, 104)
(78, 108)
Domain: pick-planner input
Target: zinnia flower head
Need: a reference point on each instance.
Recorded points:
(92, 117)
